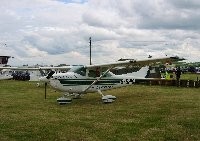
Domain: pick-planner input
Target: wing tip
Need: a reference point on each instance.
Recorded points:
(177, 58)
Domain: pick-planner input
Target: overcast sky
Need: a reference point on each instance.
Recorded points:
(58, 31)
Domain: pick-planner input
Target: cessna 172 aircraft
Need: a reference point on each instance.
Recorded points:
(80, 80)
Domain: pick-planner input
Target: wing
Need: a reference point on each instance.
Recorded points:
(38, 68)
(131, 62)
(18, 68)
(139, 63)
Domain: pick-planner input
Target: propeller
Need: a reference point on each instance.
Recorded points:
(46, 80)
(50, 74)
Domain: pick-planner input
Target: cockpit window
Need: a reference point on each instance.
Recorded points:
(92, 73)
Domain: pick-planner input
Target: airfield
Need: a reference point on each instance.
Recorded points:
(140, 112)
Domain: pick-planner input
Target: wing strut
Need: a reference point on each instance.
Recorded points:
(94, 82)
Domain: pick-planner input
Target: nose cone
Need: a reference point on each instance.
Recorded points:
(43, 79)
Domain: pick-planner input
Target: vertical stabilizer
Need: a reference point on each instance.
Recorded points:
(4, 60)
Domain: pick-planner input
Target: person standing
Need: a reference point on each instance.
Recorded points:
(178, 75)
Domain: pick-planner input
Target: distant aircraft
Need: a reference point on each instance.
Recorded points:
(35, 73)
(4, 73)
(80, 80)
(149, 56)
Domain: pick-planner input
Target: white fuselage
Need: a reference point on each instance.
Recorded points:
(5, 74)
(75, 83)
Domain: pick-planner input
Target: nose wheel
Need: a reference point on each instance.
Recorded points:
(65, 99)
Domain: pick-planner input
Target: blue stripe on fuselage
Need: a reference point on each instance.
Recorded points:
(74, 82)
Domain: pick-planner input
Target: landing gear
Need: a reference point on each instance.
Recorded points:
(66, 98)
(107, 98)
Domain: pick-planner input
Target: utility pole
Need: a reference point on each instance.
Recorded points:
(90, 50)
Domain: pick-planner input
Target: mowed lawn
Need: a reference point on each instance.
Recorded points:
(139, 113)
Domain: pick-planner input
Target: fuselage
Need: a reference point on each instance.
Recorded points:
(5, 74)
(72, 82)
(5, 77)
(81, 80)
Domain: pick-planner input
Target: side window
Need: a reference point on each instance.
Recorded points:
(94, 73)
(91, 73)
(108, 74)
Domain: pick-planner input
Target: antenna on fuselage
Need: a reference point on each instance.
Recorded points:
(90, 50)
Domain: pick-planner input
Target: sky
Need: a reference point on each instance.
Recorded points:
(52, 32)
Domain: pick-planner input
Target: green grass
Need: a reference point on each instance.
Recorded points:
(190, 76)
(187, 76)
(139, 113)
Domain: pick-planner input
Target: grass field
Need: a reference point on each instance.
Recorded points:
(139, 113)
(190, 76)
(187, 76)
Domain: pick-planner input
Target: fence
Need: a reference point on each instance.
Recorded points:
(163, 82)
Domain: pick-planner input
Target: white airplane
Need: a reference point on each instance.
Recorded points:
(5, 74)
(35, 73)
(80, 80)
